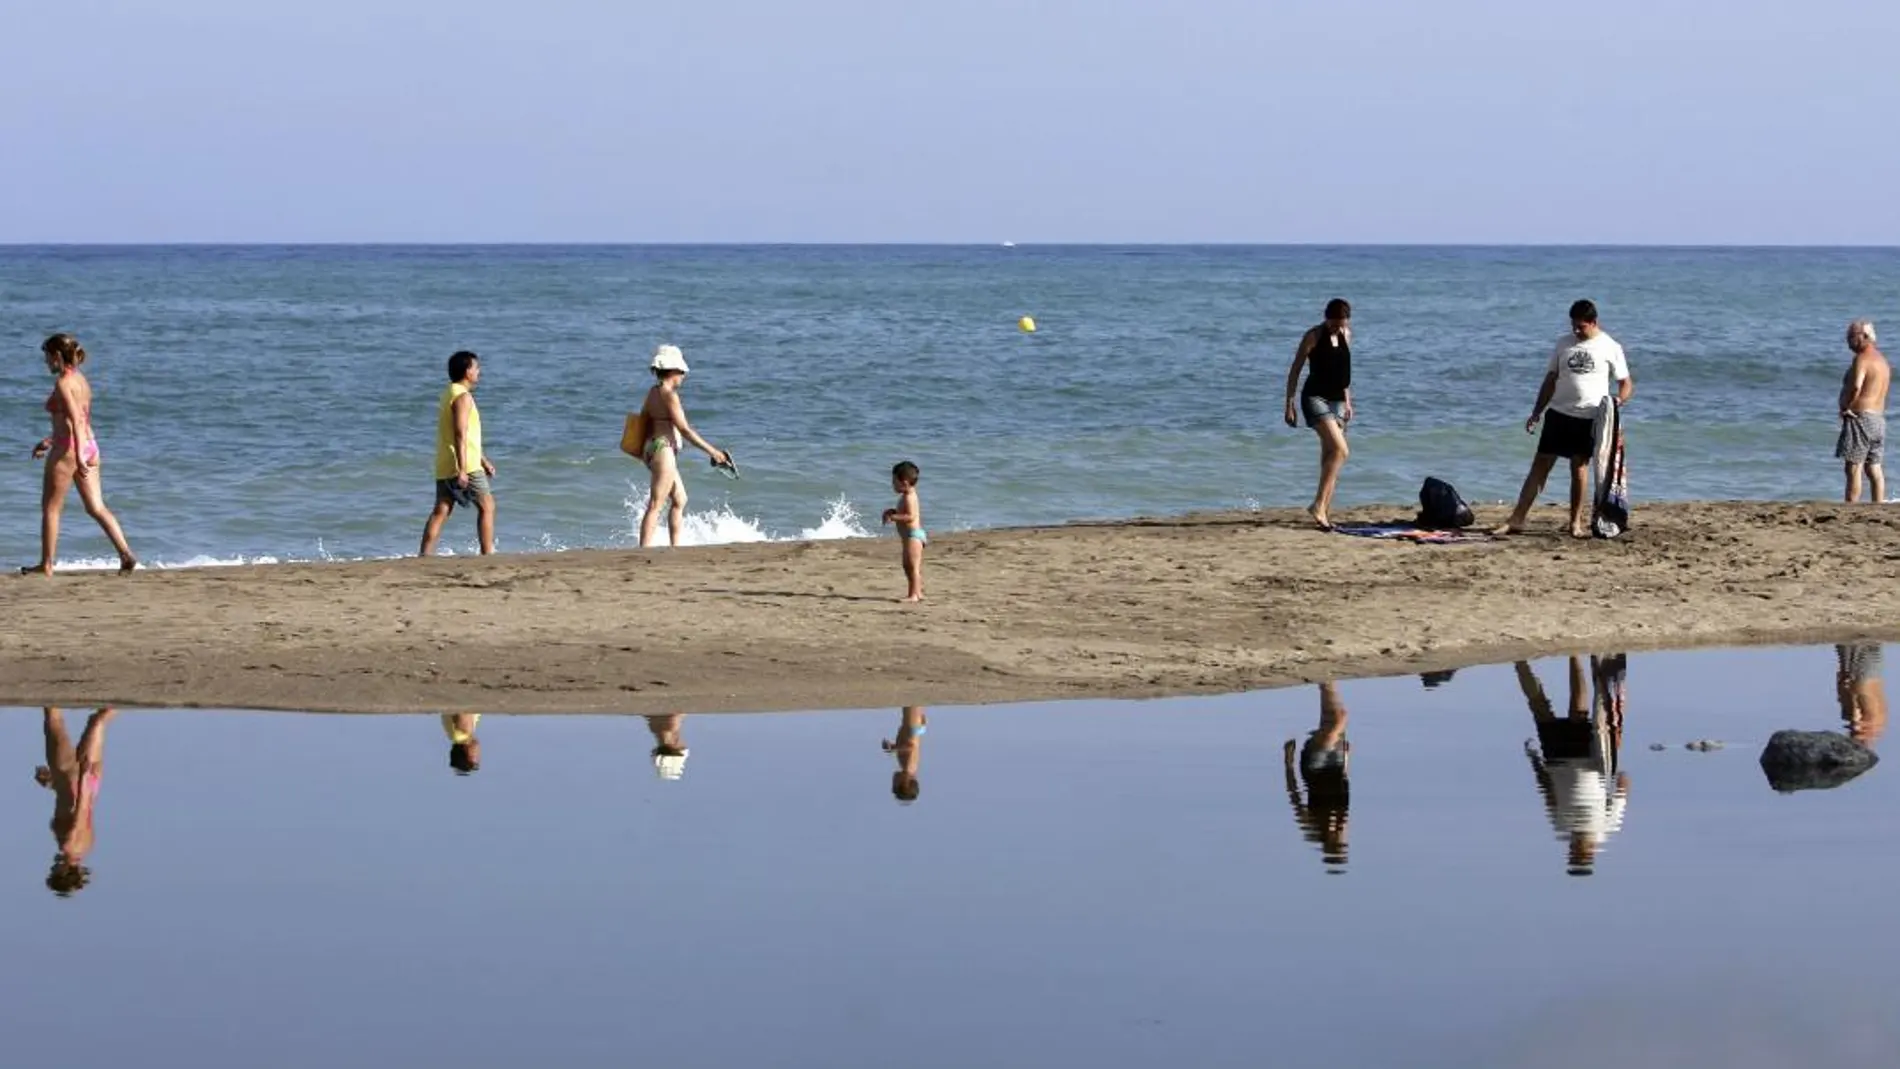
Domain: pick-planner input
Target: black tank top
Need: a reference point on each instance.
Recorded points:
(1328, 367)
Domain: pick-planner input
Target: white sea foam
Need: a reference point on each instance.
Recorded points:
(111, 564)
(717, 526)
(721, 525)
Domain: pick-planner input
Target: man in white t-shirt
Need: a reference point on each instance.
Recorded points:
(1586, 367)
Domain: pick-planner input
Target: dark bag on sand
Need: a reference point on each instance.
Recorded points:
(1440, 508)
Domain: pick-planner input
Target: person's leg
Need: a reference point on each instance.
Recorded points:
(485, 522)
(432, 530)
(1533, 691)
(676, 511)
(660, 464)
(54, 482)
(1579, 490)
(1332, 457)
(1853, 482)
(1526, 497)
(914, 569)
(92, 494)
(59, 747)
(1877, 481)
(92, 741)
(1579, 690)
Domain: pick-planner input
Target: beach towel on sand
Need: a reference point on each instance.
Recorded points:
(1409, 532)
(1610, 513)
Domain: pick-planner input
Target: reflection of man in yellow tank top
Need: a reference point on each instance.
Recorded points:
(461, 470)
(465, 750)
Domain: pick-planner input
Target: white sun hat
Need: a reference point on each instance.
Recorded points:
(670, 765)
(669, 358)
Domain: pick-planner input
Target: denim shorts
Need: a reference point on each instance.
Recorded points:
(1319, 409)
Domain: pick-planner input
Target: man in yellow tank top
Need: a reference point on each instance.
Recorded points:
(461, 471)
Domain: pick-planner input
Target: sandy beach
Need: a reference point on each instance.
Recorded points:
(1130, 609)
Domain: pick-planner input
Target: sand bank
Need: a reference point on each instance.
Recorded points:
(1130, 609)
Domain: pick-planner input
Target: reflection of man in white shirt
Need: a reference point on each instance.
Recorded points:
(1585, 369)
(1575, 761)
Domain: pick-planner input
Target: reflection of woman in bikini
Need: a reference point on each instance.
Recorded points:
(73, 777)
(907, 748)
(667, 432)
(72, 455)
(1323, 761)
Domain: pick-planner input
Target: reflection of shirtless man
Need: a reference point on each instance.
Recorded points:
(1863, 697)
(1863, 413)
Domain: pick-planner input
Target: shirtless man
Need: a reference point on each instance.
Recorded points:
(1863, 413)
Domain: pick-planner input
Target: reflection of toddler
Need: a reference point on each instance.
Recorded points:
(909, 518)
(904, 785)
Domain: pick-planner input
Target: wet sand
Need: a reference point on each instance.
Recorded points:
(1129, 609)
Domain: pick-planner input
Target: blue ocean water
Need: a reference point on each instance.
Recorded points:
(278, 402)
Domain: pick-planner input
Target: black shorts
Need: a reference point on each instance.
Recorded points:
(1568, 739)
(468, 496)
(1567, 436)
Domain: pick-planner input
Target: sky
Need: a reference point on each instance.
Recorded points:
(1660, 122)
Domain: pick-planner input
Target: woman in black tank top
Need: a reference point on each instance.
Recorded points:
(1326, 399)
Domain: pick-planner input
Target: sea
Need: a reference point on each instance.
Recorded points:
(276, 403)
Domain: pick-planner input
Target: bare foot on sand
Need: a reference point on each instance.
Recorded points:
(126, 564)
(37, 569)
(1578, 530)
(912, 600)
(1503, 529)
(1319, 518)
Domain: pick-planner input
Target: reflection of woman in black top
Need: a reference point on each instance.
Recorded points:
(1326, 399)
(1323, 760)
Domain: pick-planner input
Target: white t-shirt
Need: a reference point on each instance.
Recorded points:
(1587, 372)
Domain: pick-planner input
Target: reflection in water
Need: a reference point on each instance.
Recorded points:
(73, 775)
(907, 748)
(1576, 757)
(669, 750)
(465, 750)
(1862, 695)
(1322, 817)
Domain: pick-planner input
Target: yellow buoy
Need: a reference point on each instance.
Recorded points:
(1026, 325)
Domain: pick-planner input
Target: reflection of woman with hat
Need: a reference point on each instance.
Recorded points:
(666, 433)
(669, 750)
(465, 750)
(907, 749)
(1322, 817)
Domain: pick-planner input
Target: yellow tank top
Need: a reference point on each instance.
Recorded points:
(445, 435)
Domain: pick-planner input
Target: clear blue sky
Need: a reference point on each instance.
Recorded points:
(962, 120)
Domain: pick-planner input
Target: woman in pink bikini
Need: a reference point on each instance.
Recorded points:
(72, 455)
